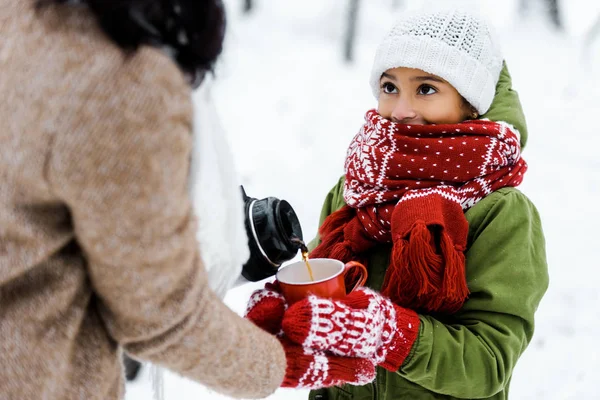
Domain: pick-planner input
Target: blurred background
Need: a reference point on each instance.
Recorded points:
(291, 90)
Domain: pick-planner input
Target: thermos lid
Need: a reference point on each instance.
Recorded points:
(271, 224)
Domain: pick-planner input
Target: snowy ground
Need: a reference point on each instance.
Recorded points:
(290, 105)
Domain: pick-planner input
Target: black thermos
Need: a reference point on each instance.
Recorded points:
(271, 226)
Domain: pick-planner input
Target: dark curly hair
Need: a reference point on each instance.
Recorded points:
(192, 30)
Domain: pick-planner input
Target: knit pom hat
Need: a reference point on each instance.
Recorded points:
(457, 46)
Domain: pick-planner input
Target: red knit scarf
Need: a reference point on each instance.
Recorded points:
(410, 185)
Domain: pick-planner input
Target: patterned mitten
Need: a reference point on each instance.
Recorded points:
(266, 307)
(316, 369)
(306, 368)
(364, 324)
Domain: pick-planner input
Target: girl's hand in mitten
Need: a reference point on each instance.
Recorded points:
(306, 368)
(363, 324)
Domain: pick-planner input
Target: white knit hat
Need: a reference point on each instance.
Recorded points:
(457, 46)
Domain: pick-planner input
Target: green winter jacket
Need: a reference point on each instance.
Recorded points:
(471, 354)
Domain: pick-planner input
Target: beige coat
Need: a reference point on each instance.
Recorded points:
(97, 234)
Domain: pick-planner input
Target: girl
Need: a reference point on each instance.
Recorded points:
(455, 253)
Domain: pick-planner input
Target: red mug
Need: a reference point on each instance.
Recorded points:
(328, 274)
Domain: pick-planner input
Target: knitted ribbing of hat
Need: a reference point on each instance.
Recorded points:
(456, 29)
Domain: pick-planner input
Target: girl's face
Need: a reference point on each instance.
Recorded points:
(412, 96)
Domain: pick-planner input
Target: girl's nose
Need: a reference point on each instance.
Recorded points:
(403, 111)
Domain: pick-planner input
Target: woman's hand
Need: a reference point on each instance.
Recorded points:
(363, 324)
(306, 368)
(266, 307)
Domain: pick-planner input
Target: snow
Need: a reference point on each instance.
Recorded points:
(290, 107)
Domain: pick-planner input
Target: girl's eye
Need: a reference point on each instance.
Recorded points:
(388, 88)
(426, 90)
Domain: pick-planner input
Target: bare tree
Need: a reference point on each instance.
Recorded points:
(554, 13)
(551, 7)
(248, 6)
(591, 35)
(523, 7)
(351, 30)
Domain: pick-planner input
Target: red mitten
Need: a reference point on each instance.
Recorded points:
(363, 324)
(315, 369)
(306, 368)
(266, 307)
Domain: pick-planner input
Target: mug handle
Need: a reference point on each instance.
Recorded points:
(363, 272)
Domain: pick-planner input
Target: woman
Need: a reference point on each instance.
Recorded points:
(98, 243)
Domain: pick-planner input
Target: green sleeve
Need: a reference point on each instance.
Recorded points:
(507, 106)
(333, 202)
(472, 354)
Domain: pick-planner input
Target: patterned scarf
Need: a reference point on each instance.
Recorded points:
(410, 185)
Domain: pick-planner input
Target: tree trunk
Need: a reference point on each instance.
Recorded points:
(554, 13)
(247, 6)
(351, 30)
(523, 7)
(592, 35)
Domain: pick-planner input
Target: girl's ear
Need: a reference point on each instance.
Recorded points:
(474, 113)
(469, 111)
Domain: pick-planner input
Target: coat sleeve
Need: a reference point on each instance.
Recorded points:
(472, 354)
(122, 171)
